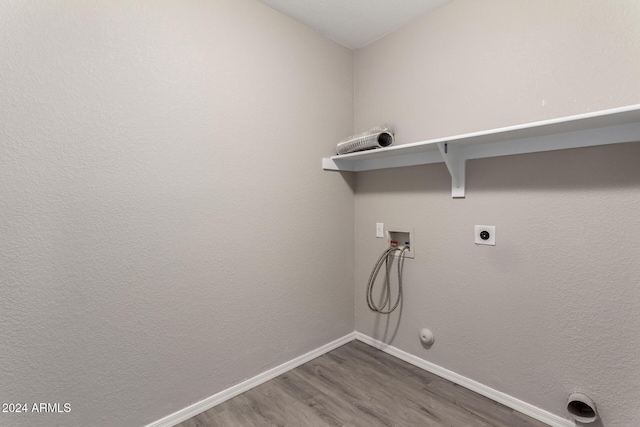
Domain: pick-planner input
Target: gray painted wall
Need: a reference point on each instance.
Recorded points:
(165, 226)
(554, 307)
(157, 248)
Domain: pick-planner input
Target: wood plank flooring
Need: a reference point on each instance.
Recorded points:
(358, 385)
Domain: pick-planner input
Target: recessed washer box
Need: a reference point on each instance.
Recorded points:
(402, 235)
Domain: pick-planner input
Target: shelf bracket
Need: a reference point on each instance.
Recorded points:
(455, 160)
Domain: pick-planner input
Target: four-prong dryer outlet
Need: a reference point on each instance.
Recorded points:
(485, 234)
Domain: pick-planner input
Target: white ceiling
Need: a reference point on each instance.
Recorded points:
(354, 23)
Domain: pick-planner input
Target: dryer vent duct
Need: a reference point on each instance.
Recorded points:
(377, 137)
(581, 408)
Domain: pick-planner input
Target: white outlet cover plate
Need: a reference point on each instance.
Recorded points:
(491, 229)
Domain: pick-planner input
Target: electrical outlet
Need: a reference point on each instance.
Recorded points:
(485, 234)
(380, 230)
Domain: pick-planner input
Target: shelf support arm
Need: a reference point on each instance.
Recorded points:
(456, 163)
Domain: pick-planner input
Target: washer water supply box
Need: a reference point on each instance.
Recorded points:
(376, 137)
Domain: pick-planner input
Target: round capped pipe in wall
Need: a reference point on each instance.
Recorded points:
(581, 408)
(426, 337)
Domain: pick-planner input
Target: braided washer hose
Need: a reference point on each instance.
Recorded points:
(387, 258)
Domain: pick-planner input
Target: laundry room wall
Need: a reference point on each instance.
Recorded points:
(166, 230)
(554, 307)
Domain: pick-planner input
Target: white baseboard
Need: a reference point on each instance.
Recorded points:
(509, 401)
(224, 395)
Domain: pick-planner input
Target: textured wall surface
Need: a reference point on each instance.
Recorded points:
(555, 306)
(166, 231)
(163, 215)
(476, 65)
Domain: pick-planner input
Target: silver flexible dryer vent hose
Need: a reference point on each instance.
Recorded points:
(377, 137)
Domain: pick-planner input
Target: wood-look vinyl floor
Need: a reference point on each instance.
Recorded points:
(358, 385)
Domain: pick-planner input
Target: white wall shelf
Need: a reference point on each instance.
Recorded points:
(613, 126)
